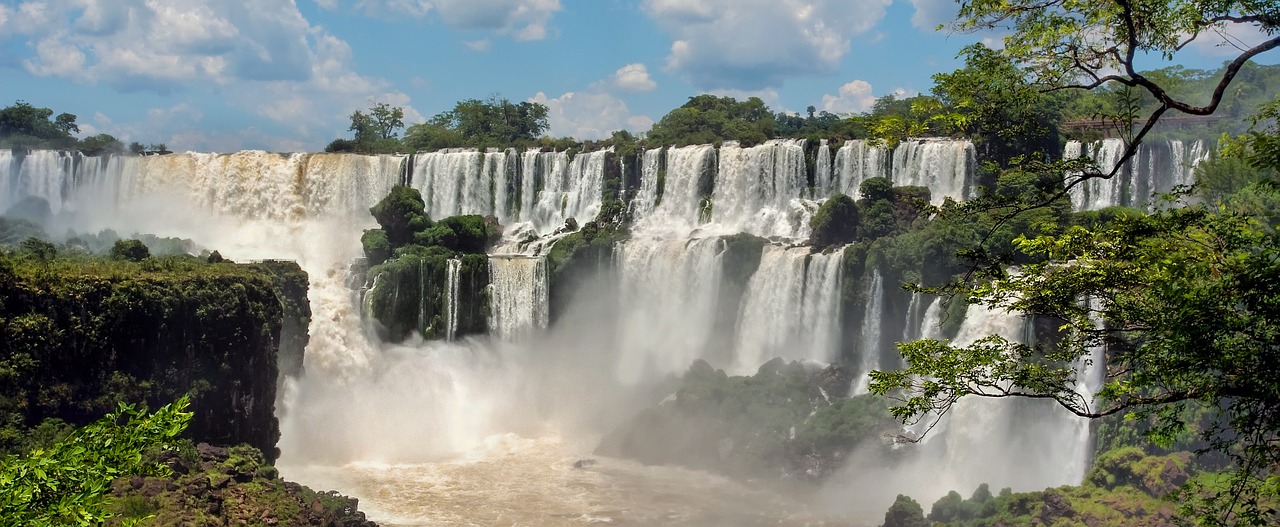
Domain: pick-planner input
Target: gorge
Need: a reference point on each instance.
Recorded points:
(716, 267)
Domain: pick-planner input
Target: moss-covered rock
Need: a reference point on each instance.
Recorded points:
(211, 486)
(81, 336)
(836, 222)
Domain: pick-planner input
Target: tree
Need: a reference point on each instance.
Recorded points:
(1183, 302)
(132, 250)
(472, 122)
(375, 131)
(67, 483)
(1088, 45)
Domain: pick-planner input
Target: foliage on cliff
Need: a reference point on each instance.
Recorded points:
(82, 334)
(411, 259)
(67, 482)
(210, 486)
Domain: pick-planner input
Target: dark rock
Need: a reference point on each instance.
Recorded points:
(214, 453)
(1055, 506)
(583, 463)
(220, 481)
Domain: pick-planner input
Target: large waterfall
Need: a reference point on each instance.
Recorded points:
(468, 424)
(1157, 167)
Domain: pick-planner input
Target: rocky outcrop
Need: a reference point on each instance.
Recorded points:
(78, 338)
(214, 486)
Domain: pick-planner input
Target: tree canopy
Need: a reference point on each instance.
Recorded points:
(1182, 302)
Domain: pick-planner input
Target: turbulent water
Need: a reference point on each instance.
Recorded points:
(486, 431)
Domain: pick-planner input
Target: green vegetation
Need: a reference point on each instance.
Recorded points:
(375, 131)
(710, 119)
(836, 222)
(784, 421)
(1183, 298)
(82, 333)
(23, 125)
(409, 258)
(66, 483)
(474, 123)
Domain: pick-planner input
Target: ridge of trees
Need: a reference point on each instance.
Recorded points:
(23, 125)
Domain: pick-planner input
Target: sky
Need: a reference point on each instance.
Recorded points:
(285, 75)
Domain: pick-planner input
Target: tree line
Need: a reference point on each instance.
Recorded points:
(23, 125)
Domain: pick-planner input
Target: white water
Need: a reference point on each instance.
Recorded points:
(669, 289)
(760, 190)
(518, 301)
(869, 343)
(791, 309)
(944, 166)
(857, 161)
(1157, 167)
(453, 266)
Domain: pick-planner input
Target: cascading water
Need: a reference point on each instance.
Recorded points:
(669, 291)
(869, 342)
(453, 266)
(472, 409)
(518, 296)
(1157, 167)
(856, 161)
(942, 165)
(791, 309)
(759, 189)
(823, 185)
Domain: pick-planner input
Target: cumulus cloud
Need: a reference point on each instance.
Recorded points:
(633, 78)
(932, 13)
(589, 115)
(753, 44)
(853, 97)
(522, 19)
(260, 55)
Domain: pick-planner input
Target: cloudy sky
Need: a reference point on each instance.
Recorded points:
(220, 75)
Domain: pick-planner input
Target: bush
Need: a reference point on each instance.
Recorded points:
(836, 222)
(376, 247)
(132, 250)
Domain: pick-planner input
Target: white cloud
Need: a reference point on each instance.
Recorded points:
(260, 55)
(853, 97)
(478, 46)
(588, 115)
(932, 13)
(522, 19)
(1229, 40)
(633, 78)
(753, 44)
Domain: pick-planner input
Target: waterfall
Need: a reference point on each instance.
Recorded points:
(669, 291)
(646, 198)
(518, 296)
(790, 309)
(942, 165)
(1157, 167)
(454, 265)
(678, 204)
(757, 189)
(869, 344)
(856, 161)
(822, 175)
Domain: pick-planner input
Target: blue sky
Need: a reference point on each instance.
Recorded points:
(222, 75)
